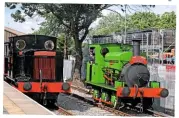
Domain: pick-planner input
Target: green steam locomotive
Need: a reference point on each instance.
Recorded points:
(119, 76)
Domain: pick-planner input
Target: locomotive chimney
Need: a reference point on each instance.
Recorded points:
(136, 47)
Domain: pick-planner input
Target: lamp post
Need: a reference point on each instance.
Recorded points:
(125, 24)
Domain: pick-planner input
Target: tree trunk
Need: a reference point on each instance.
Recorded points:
(79, 58)
(65, 48)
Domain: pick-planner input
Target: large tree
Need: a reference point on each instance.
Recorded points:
(168, 20)
(76, 18)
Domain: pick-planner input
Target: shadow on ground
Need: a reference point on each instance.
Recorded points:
(70, 103)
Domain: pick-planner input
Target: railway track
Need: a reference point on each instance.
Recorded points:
(157, 114)
(86, 91)
(103, 107)
(63, 111)
(59, 110)
(117, 112)
(128, 112)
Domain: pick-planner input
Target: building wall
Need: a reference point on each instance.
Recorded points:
(8, 32)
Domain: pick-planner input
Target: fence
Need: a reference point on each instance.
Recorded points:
(165, 74)
(68, 69)
(154, 43)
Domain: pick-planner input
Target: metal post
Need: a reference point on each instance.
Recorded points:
(162, 46)
(125, 25)
(159, 48)
(40, 73)
(142, 43)
(153, 33)
(147, 45)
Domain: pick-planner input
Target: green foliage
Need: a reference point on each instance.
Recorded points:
(144, 20)
(168, 20)
(112, 22)
(51, 26)
(137, 21)
(70, 44)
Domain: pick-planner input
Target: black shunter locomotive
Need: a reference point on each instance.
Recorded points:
(34, 66)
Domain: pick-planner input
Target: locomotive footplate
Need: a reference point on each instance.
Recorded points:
(147, 92)
(53, 87)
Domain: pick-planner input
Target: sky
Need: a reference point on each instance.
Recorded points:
(34, 23)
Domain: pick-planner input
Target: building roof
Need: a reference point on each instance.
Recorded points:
(15, 32)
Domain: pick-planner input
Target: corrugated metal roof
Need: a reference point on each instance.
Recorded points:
(15, 32)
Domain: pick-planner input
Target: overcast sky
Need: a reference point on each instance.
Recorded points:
(27, 26)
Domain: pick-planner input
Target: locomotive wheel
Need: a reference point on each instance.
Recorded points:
(96, 95)
(105, 97)
(115, 101)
